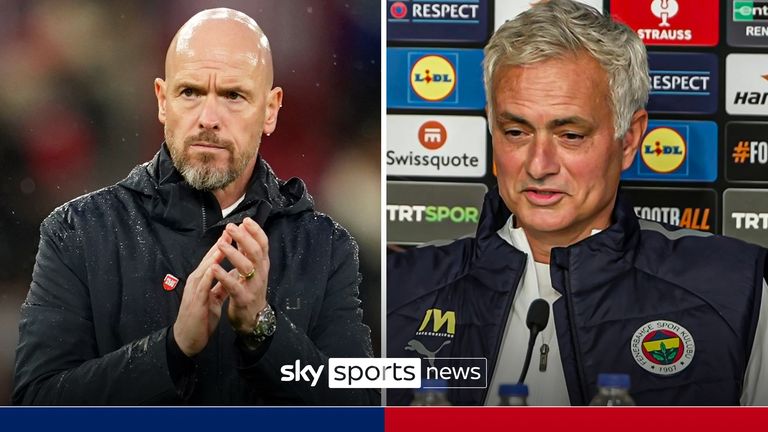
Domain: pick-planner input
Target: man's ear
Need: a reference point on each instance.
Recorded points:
(634, 136)
(161, 99)
(274, 103)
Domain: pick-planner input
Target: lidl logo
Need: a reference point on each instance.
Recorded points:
(443, 323)
(663, 347)
(432, 135)
(674, 150)
(433, 77)
(663, 150)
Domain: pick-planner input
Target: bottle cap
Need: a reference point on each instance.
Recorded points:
(613, 380)
(513, 390)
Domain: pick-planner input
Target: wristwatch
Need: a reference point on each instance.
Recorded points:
(266, 324)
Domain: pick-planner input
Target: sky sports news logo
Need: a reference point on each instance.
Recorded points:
(349, 373)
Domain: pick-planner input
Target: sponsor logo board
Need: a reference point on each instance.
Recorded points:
(435, 78)
(747, 23)
(506, 10)
(437, 21)
(419, 212)
(684, 207)
(676, 151)
(683, 83)
(436, 146)
(745, 215)
(746, 151)
(746, 84)
(671, 22)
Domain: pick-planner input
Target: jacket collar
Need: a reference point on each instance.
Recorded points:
(173, 202)
(620, 238)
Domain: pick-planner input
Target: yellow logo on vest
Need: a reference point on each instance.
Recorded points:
(663, 150)
(443, 323)
(433, 77)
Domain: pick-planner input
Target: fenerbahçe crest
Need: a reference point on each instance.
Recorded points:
(663, 347)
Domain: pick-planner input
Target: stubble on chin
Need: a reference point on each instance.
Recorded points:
(200, 170)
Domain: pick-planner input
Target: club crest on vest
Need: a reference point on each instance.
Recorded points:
(663, 347)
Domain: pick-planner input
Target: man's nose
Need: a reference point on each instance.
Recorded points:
(209, 115)
(542, 159)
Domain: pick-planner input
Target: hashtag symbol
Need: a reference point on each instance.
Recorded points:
(741, 152)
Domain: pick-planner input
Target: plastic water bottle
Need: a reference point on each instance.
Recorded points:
(612, 390)
(431, 393)
(513, 395)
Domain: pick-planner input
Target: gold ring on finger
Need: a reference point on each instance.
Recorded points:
(249, 275)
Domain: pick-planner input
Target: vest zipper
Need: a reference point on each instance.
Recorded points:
(575, 340)
(504, 332)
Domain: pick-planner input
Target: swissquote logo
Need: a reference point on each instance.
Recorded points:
(663, 347)
(432, 135)
(432, 145)
(433, 77)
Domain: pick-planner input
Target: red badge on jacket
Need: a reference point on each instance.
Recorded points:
(170, 282)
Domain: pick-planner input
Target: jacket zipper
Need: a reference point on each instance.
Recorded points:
(575, 339)
(204, 221)
(501, 338)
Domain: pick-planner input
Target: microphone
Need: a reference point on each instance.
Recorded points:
(538, 316)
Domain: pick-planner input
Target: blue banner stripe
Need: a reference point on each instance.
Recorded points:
(679, 72)
(192, 419)
(445, 21)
